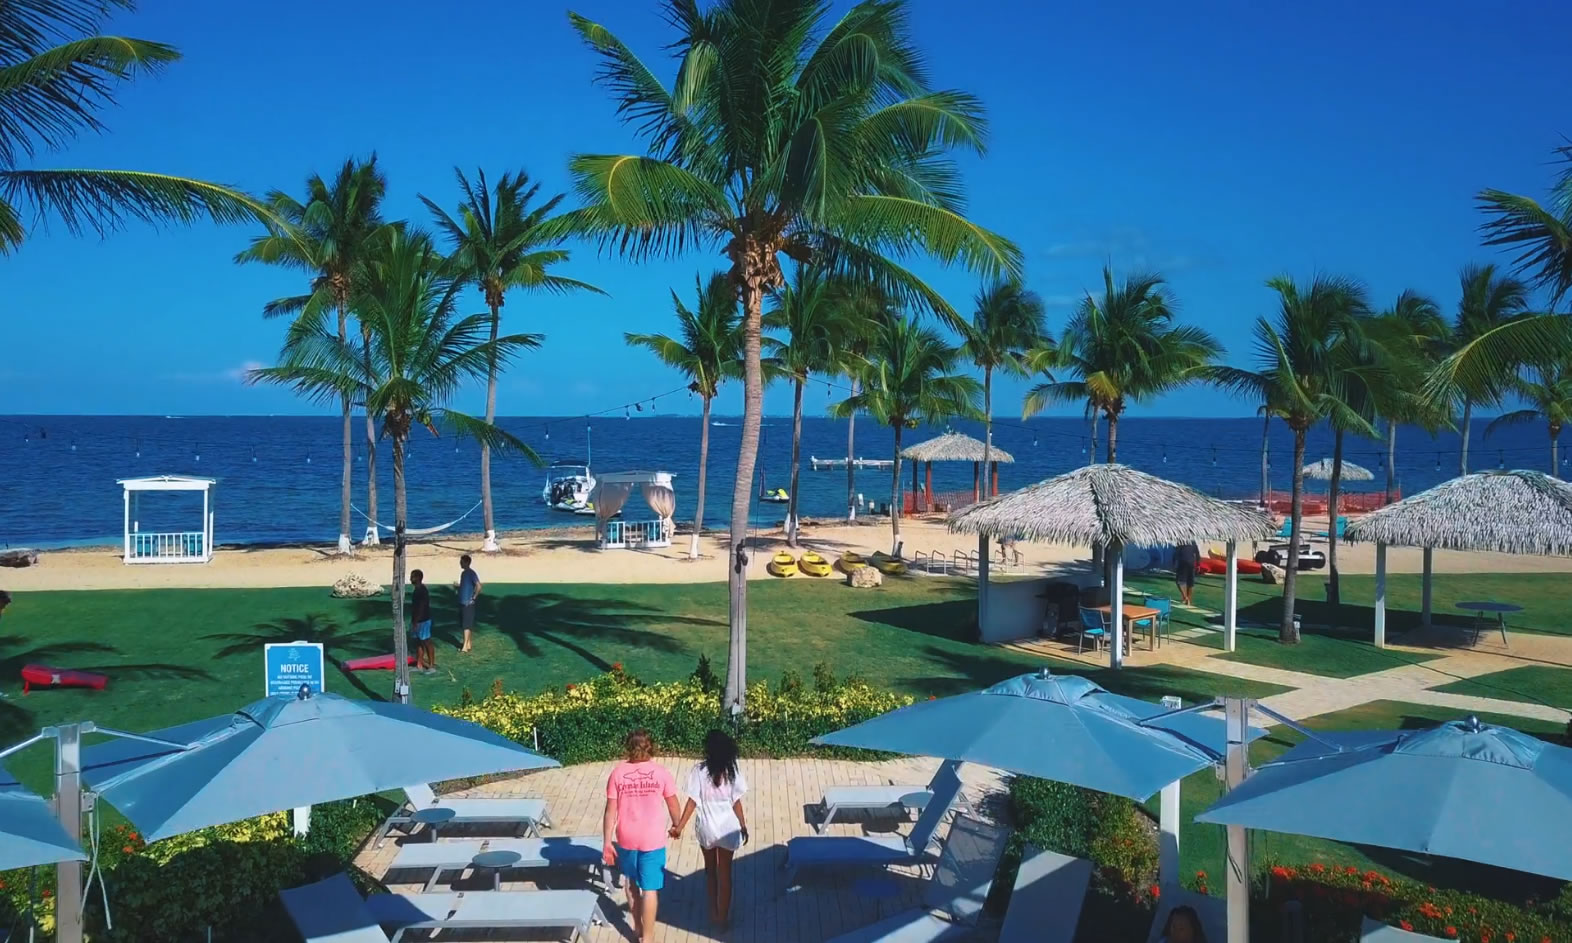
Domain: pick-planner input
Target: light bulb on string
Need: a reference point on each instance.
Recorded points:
(1501, 459)
(253, 456)
(196, 453)
(626, 414)
(308, 456)
(548, 432)
(43, 433)
(1034, 440)
(25, 438)
(138, 448)
(1165, 455)
(1083, 445)
(1214, 455)
(1438, 461)
(73, 445)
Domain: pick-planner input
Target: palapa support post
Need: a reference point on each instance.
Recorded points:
(1380, 595)
(982, 584)
(928, 490)
(1236, 766)
(1231, 597)
(1424, 589)
(993, 473)
(914, 487)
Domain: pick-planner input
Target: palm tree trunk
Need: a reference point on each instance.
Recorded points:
(1113, 436)
(1391, 459)
(851, 467)
(346, 479)
(704, 464)
(742, 490)
(1091, 457)
(400, 636)
(491, 545)
(796, 448)
(1555, 461)
(1333, 487)
(895, 492)
(1287, 631)
(1266, 462)
(371, 445)
(987, 430)
(1468, 421)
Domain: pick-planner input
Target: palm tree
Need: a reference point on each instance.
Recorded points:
(813, 312)
(908, 382)
(56, 74)
(1124, 348)
(1008, 322)
(1543, 235)
(421, 353)
(329, 235)
(1408, 337)
(1548, 393)
(1303, 379)
(1489, 301)
(784, 133)
(708, 351)
(499, 243)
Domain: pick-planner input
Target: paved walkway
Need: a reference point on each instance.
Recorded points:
(782, 805)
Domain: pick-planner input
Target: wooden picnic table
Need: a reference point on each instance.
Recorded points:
(1132, 615)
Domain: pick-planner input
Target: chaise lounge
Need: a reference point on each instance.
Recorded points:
(424, 807)
(580, 851)
(891, 798)
(876, 851)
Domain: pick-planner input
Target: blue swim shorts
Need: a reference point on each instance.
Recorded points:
(646, 869)
(423, 630)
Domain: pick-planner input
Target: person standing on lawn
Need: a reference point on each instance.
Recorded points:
(468, 590)
(715, 788)
(634, 829)
(420, 606)
(1187, 558)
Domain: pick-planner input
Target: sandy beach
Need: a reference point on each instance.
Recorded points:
(569, 556)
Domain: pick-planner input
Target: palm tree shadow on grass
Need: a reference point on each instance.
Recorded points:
(955, 619)
(338, 642)
(17, 720)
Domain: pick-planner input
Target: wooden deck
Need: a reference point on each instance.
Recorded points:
(782, 804)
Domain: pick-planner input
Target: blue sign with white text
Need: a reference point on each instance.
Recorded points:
(289, 666)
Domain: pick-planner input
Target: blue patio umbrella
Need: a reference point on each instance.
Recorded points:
(1462, 790)
(29, 832)
(1060, 727)
(285, 752)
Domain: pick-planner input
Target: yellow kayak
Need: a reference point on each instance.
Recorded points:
(813, 564)
(851, 560)
(887, 564)
(782, 564)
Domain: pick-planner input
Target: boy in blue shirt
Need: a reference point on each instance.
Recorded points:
(468, 589)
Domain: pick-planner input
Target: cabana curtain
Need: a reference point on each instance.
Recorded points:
(662, 500)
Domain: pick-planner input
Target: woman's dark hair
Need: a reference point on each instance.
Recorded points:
(720, 756)
(1187, 914)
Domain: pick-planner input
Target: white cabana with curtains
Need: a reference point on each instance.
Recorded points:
(611, 495)
(189, 546)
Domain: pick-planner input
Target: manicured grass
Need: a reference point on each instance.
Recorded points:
(1202, 846)
(1533, 684)
(179, 655)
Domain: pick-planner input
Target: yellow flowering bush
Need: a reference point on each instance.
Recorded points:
(586, 721)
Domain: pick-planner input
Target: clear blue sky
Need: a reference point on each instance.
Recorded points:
(1220, 142)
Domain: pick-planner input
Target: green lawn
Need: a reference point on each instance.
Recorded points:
(180, 655)
(1533, 684)
(1201, 846)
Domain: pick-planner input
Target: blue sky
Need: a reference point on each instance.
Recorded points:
(1221, 143)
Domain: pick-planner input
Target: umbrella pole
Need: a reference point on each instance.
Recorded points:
(1116, 605)
(68, 874)
(982, 585)
(1424, 606)
(1236, 766)
(1380, 595)
(1231, 597)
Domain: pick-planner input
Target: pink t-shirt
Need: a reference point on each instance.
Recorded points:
(641, 790)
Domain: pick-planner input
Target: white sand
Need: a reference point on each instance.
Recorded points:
(570, 557)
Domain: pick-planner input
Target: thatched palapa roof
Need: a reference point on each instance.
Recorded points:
(953, 447)
(1104, 503)
(1323, 471)
(1504, 511)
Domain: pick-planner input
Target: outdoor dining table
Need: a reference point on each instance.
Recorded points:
(1132, 615)
(1481, 609)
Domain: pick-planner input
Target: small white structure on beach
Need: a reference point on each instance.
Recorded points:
(176, 547)
(611, 493)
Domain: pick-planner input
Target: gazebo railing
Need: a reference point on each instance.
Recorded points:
(620, 534)
(179, 545)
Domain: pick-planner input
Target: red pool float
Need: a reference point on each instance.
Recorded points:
(373, 663)
(46, 677)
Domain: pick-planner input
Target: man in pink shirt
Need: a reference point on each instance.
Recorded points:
(634, 829)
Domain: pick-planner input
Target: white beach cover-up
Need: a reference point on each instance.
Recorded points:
(717, 822)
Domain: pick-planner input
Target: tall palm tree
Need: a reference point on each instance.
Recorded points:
(1542, 234)
(1302, 377)
(57, 73)
(1409, 337)
(499, 242)
(908, 381)
(1548, 395)
(708, 350)
(329, 235)
(785, 133)
(1124, 347)
(1489, 301)
(1008, 322)
(813, 314)
(421, 354)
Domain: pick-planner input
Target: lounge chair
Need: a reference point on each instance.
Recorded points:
(891, 798)
(876, 851)
(582, 851)
(953, 898)
(529, 815)
(1213, 912)
(1374, 931)
(1045, 906)
(332, 911)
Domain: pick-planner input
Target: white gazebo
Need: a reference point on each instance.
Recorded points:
(611, 493)
(195, 546)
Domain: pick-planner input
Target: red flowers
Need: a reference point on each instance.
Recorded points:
(616, 666)
(128, 850)
(1155, 891)
(570, 686)
(1451, 931)
(1404, 924)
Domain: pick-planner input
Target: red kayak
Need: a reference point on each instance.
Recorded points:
(1247, 567)
(373, 663)
(46, 677)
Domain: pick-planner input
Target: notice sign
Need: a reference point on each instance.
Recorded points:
(287, 666)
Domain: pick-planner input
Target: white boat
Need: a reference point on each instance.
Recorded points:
(568, 487)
